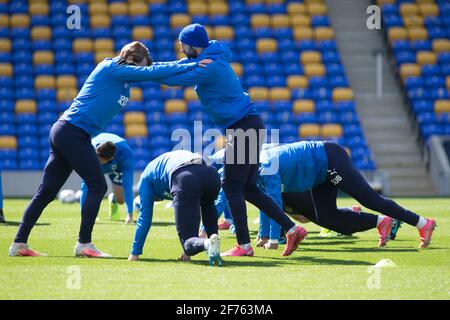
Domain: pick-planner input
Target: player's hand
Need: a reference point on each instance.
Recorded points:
(204, 63)
(133, 257)
(129, 219)
(184, 257)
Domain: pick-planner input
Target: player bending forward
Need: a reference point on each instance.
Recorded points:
(194, 186)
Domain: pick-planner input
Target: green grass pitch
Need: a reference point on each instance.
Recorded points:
(322, 268)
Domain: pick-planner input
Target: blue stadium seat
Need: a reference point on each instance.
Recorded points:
(30, 164)
(7, 129)
(8, 164)
(8, 154)
(26, 118)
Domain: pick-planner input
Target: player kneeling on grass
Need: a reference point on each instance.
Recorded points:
(104, 94)
(193, 185)
(312, 172)
(117, 161)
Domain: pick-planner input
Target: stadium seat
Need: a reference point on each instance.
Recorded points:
(190, 94)
(43, 57)
(179, 20)
(428, 9)
(417, 33)
(136, 130)
(237, 68)
(138, 9)
(340, 94)
(259, 93)
(314, 69)
(175, 105)
(44, 81)
(296, 8)
(100, 21)
(409, 70)
(297, 81)
(66, 81)
(101, 55)
(4, 20)
(442, 106)
(260, 21)
(223, 33)
(303, 106)
(280, 21)
(300, 20)
(6, 69)
(19, 20)
(197, 8)
(142, 33)
(276, 94)
(41, 33)
(66, 94)
(407, 9)
(332, 130)
(426, 57)
(26, 106)
(38, 8)
(82, 45)
(103, 45)
(303, 33)
(8, 142)
(309, 130)
(218, 8)
(441, 45)
(134, 117)
(118, 9)
(316, 9)
(136, 94)
(5, 45)
(397, 33)
(310, 57)
(412, 21)
(323, 33)
(266, 45)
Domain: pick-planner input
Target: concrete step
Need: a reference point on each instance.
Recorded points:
(406, 188)
(408, 173)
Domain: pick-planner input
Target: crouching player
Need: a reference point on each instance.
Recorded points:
(117, 161)
(194, 186)
(318, 170)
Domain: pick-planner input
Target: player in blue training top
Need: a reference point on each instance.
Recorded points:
(193, 185)
(117, 161)
(103, 95)
(230, 107)
(309, 176)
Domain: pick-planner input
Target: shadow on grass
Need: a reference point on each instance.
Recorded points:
(324, 242)
(326, 261)
(371, 249)
(17, 223)
(122, 222)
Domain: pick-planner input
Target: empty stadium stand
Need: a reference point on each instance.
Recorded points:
(284, 52)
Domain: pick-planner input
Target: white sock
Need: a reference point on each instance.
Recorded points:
(292, 230)
(245, 246)
(228, 221)
(83, 245)
(206, 244)
(274, 241)
(422, 222)
(380, 219)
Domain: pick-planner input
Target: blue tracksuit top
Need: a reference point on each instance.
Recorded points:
(302, 166)
(217, 86)
(155, 184)
(120, 169)
(107, 90)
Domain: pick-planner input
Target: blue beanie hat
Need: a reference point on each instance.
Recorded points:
(194, 35)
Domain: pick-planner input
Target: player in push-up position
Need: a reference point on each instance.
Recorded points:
(117, 161)
(194, 186)
(306, 183)
(103, 95)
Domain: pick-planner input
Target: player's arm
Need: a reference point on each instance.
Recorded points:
(136, 73)
(127, 185)
(191, 77)
(181, 61)
(144, 221)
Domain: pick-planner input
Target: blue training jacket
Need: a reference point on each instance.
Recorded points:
(155, 184)
(107, 90)
(217, 86)
(302, 166)
(120, 169)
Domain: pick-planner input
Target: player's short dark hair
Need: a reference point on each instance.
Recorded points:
(106, 150)
(137, 51)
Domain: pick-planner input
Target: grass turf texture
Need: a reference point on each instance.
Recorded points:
(322, 268)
